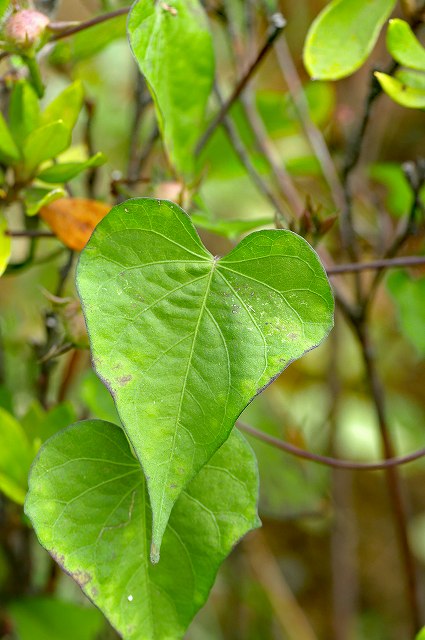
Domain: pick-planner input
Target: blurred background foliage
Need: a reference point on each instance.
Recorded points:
(328, 550)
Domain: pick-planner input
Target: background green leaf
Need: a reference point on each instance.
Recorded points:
(174, 51)
(16, 454)
(51, 619)
(45, 143)
(403, 45)
(66, 106)
(343, 35)
(9, 152)
(37, 197)
(108, 555)
(183, 340)
(64, 171)
(409, 296)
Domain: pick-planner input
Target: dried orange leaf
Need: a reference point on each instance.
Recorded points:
(73, 220)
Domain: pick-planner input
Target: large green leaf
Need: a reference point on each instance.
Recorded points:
(404, 46)
(3, 6)
(24, 111)
(343, 35)
(50, 619)
(184, 340)
(174, 51)
(405, 95)
(90, 509)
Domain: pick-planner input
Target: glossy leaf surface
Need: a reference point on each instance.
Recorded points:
(343, 35)
(404, 46)
(95, 519)
(185, 340)
(173, 48)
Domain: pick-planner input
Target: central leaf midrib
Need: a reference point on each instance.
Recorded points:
(183, 391)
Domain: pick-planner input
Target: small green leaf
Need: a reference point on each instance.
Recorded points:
(36, 197)
(173, 48)
(403, 94)
(399, 197)
(9, 152)
(45, 143)
(343, 35)
(403, 45)
(50, 619)
(5, 245)
(24, 111)
(185, 340)
(66, 106)
(409, 295)
(90, 509)
(63, 172)
(16, 455)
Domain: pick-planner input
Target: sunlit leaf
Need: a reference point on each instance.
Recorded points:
(173, 48)
(73, 219)
(65, 171)
(5, 245)
(403, 45)
(185, 340)
(343, 35)
(16, 455)
(95, 520)
(400, 92)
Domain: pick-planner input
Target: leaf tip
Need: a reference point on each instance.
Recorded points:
(155, 553)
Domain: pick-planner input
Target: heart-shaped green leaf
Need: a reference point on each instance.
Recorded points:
(173, 48)
(343, 35)
(90, 509)
(184, 340)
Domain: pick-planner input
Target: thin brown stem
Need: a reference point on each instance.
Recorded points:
(373, 265)
(393, 479)
(328, 461)
(278, 24)
(30, 233)
(265, 146)
(240, 150)
(313, 134)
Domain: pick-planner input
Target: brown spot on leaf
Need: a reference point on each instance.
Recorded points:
(124, 380)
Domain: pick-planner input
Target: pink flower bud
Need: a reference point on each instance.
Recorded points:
(25, 28)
